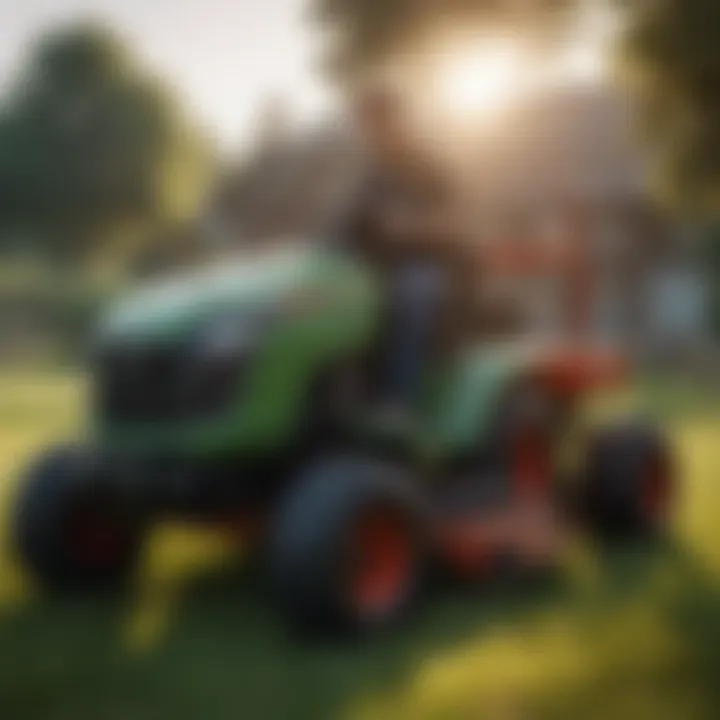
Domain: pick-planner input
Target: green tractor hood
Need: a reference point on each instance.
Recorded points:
(176, 306)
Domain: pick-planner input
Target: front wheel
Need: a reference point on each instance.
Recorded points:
(350, 547)
(68, 529)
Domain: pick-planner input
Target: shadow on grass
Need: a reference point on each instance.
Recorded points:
(226, 655)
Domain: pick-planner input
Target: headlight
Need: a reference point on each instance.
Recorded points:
(218, 363)
(230, 336)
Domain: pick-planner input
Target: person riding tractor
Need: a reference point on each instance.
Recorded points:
(404, 221)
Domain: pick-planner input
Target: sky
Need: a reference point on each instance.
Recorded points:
(226, 57)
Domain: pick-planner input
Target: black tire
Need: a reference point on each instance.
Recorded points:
(314, 558)
(629, 486)
(62, 498)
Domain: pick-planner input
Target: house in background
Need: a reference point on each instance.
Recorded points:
(565, 171)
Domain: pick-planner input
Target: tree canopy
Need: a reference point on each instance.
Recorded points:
(669, 47)
(673, 53)
(368, 32)
(92, 145)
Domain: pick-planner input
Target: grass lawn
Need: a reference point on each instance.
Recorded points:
(634, 635)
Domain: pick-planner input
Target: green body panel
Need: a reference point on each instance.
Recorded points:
(314, 307)
(309, 309)
(471, 393)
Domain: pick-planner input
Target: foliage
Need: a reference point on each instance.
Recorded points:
(673, 59)
(670, 48)
(46, 315)
(91, 146)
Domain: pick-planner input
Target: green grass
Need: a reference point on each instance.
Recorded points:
(633, 635)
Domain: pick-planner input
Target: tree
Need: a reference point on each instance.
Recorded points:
(368, 32)
(92, 146)
(672, 50)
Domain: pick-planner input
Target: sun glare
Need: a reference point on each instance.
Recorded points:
(483, 80)
(582, 62)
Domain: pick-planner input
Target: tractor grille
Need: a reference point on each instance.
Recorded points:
(162, 383)
(141, 384)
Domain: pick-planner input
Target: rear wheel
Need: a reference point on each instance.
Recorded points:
(629, 487)
(350, 551)
(68, 529)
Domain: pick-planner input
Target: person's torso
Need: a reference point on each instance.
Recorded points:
(396, 215)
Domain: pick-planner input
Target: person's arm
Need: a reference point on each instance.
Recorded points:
(424, 227)
(348, 227)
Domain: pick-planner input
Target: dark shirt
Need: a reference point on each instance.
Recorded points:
(397, 216)
(404, 217)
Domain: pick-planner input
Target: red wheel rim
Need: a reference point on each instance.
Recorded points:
(656, 491)
(383, 562)
(96, 538)
(531, 463)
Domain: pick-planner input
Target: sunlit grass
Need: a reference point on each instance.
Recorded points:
(633, 635)
(175, 554)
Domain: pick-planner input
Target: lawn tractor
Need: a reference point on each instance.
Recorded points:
(242, 396)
